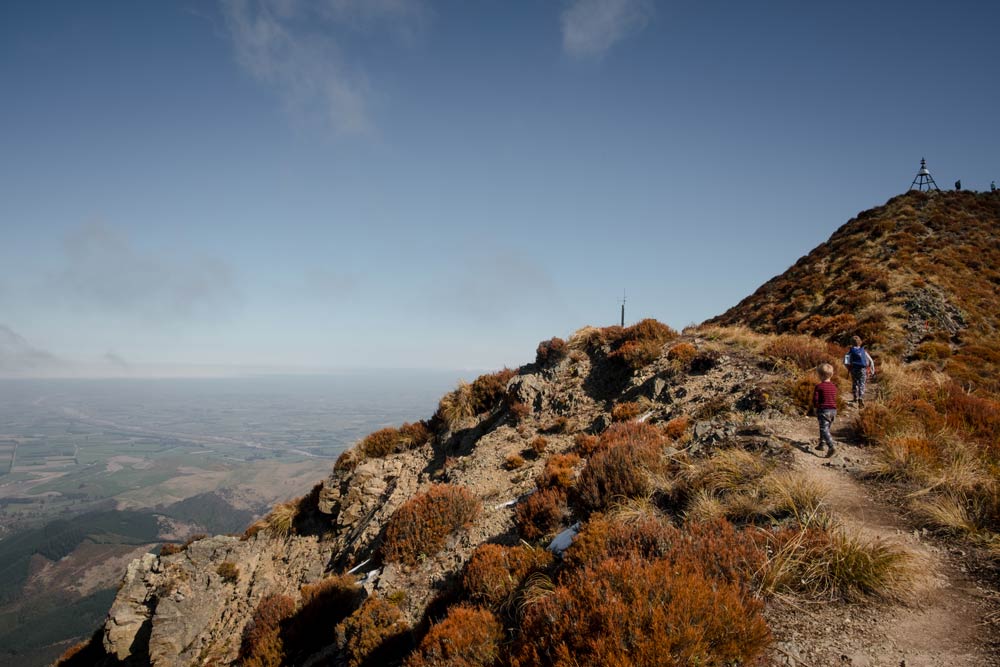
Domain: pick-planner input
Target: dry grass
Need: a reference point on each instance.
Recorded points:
(832, 564)
(457, 406)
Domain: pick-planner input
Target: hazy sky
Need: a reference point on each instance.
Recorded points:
(385, 183)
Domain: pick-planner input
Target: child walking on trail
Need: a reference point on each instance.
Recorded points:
(825, 402)
(862, 366)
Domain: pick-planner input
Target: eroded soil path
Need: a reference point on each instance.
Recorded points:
(946, 622)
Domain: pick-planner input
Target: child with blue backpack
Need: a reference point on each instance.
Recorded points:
(862, 366)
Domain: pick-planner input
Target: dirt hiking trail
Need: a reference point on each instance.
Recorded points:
(946, 621)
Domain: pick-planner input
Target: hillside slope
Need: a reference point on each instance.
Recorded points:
(917, 278)
(693, 521)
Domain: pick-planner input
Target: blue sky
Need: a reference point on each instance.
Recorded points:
(407, 183)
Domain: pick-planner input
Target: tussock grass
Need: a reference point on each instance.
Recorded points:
(280, 521)
(793, 494)
(456, 406)
(728, 471)
(834, 564)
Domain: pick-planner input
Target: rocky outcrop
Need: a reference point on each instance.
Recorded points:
(179, 610)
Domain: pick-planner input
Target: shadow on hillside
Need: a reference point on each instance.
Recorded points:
(607, 378)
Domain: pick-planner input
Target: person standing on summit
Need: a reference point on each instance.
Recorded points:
(862, 366)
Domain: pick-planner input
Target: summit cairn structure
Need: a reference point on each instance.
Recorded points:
(923, 181)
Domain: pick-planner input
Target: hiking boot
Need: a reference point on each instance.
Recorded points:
(830, 451)
(819, 446)
(861, 402)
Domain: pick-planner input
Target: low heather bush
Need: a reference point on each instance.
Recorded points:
(489, 391)
(805, 352)
(495, 572)
(540, 514)
(391, 440)
(374, 634)
(551, 351)
(513, 462)
(558, 471)
(538, 445)
(682, 354)
(621, 466)
(261, 645)
(623, 412)
(467, 637)
(324, 604)
(676, 428)
(519, 411)
(630, 611)
(421, 525)
(585, 444)
(641, 344)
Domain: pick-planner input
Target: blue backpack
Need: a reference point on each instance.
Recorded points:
(857, 356)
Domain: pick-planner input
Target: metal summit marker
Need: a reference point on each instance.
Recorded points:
(923, 181)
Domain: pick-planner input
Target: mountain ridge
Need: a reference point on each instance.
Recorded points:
(667, 455)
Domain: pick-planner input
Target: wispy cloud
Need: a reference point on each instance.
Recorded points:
(104, 270)
(19, 357)
(591, 27)
(293, 46)
(493, 286)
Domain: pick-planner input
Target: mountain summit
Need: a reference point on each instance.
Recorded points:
(917, 278)
(639, 496)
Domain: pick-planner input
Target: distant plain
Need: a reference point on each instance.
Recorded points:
(96, 472)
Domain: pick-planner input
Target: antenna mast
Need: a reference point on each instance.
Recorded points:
(623, 308)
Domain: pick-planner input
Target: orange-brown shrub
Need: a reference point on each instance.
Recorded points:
(682, 353)
(262, 645)
(805, 352)
(641, 343)
(623, 412)
(519, 410)
(229, 571)
(538, 445)
(800, 391)
(585, 444)
(979, 417)
(551, 351)
(391, 440)
(374, 634)
(467, 637)
(170, 548)
(494, 573)
(513, 462)
(489, 390)
(620, 467)
(324, 604)
(636, 612)
(541, 513)
(875, 422)
(420, 526)
(560, 424)
(721, 551)
(677, 427)
(932, 351)
(558, 471)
